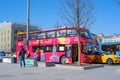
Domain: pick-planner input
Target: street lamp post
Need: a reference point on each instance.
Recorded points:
(28, 22)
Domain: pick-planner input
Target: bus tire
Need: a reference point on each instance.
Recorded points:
(62, 60)
(109, 61)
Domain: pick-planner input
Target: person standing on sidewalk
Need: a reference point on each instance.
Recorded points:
(22, 56)
(36, 56)
(35, 59)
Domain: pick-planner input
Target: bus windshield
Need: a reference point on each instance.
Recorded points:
(86, 34)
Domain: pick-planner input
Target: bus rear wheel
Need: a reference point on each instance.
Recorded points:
(62, 60)
(109, 61)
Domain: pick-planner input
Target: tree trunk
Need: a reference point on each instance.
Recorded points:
(79, 50)
(78, 25)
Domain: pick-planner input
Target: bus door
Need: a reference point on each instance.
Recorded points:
(87, 55)
(74, 53)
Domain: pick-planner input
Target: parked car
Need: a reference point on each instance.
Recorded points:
(2, 53)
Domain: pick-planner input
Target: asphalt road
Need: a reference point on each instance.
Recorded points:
(14, 72)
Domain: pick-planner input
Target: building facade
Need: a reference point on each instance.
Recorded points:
(114, 38)
(111, 38)
(8, 32)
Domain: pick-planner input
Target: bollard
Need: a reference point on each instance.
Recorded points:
(50, 64)
(0, 59)
(14, 60)
(35, 62)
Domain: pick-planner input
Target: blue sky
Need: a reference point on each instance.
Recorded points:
(45, 13)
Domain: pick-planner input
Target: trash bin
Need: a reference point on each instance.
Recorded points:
(14, 60)
(0, 59)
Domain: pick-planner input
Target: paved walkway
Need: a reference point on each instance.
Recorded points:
(15, 72)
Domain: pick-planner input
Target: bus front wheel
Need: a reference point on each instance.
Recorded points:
(109, 61)
(62, 60)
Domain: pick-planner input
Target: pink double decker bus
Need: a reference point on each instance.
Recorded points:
(60, 45)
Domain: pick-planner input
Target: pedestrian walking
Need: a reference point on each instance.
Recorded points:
(22, 56)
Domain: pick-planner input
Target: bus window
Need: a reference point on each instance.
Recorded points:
(34, 48)
(113, 47)
(61, 48)
(51, 34)
(33, 36)
(112, 50)
(41, 35)
(118, 47)
(42, 47)
(21, 37)
(61, 33)
(88, 49)
(104, 47)
(71, 32)
(49, 48)
(96, 50)
(108, 48)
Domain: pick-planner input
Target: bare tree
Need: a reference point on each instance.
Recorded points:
(77, 13)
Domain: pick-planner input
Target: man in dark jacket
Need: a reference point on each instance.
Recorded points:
(22, 56)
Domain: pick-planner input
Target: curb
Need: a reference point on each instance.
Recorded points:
(72, 67)
(69, 67)
(93, 66)
(79, 67)
(46, 64)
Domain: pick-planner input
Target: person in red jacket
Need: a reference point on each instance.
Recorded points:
(22, 53)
